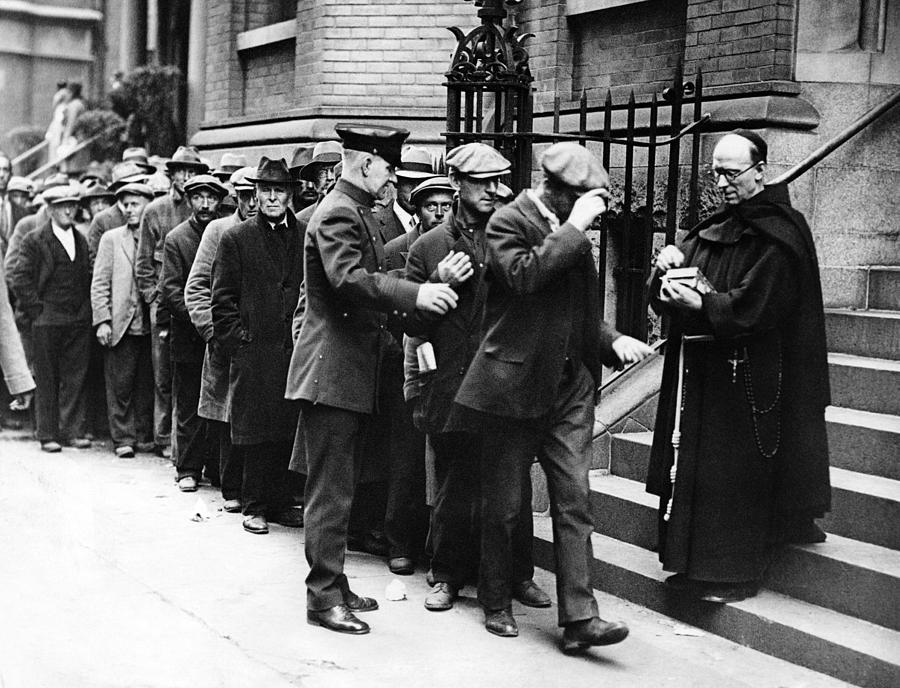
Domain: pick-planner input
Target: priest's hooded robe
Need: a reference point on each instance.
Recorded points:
(753, 449)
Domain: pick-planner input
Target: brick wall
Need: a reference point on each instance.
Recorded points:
(224, 84)
(740, 41)
(268, 83)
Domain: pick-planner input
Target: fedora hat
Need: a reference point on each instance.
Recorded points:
(187, 156)
(415, 163)
(326, 153)
(125, 172)
(272, 172)
(301, 156)
(97, 190)
(138, 155)
(228, 163)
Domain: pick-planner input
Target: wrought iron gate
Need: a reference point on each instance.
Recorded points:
(489, 99)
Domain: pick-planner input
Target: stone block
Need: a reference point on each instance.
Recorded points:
(857, 201)
(843, 287)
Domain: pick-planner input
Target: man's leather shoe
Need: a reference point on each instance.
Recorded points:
(187, 484)
(501, 622)
(402, 566)
(595, 631)
(81, 443)
(530, 594)
(723, 593)
(288, 517)
(339, 619)
(125, 452)
(358, 604)
(256, 524)
(369, 543)
(51, 447)
(441, 597)
(232, 506)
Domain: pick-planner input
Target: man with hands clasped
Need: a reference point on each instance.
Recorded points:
(533, 384)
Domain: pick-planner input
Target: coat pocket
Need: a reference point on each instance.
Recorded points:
(505, 353)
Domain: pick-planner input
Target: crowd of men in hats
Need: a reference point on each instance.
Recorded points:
(343, 342)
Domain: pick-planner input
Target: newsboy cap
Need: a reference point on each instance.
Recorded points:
(385, 142)
(135, 189)
(205, 181)
(415, 163)
(66, 193)
(574, 166)
(429, 186)
(478, 160)
(272, 172)
(17, 183)
(240, 179)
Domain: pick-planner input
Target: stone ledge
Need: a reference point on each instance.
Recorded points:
(267, 35)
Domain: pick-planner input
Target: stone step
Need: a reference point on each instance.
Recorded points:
(845, 575)
(874, 334)
(867, 384)
(884, 287)
(863, 506)
(864, 441)
(826, 641)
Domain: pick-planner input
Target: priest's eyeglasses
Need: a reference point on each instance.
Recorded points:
(730, 175)
(433, 206)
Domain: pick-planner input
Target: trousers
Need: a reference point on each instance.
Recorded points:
(266, 484)
(60, 373)
(129, 390)
(561, 441)
(192, 450)
(162, 381)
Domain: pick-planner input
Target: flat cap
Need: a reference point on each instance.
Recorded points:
(415, 163)
(240, 179)
(135, 189)
(429, 186)
(66, 193)
(575, 166)
(205, 181)
(478, 160)
(504, 193)
(159, 183)
(386, 142)
(17, 183)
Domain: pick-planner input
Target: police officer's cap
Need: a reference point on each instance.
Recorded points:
(385, 142)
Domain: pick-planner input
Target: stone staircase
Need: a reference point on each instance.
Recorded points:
(832, 607)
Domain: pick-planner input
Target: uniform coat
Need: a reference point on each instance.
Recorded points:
(254, 293)
(335, 361)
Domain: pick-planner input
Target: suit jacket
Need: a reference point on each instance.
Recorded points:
(455, 335)
(179, 249)
(338, 351)
(33, 275)
(254, 291)
(23, 227)
(103, 221)
(114, 294)
(543, 283)
(389, 226)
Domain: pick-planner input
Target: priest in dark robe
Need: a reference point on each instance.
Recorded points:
(744, 388)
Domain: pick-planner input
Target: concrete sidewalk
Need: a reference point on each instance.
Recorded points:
(106, 581)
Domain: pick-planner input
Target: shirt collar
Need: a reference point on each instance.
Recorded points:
(545, 212)
(405, 218)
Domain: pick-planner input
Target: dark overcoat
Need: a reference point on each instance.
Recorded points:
(348, 294)
(254, 292)
(179, 250)
(542, 303)
(455, 335)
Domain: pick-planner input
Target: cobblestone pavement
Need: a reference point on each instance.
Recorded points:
(107, 581)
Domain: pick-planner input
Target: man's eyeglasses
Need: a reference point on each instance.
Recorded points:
(432, 207)
(730, 175)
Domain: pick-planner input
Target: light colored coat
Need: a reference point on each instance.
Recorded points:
(114, 294)
(12, 356)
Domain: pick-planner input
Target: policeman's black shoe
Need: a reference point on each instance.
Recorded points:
(530, 594)
(501, 622)
(338, 619)
(359, 604)
(591, 632)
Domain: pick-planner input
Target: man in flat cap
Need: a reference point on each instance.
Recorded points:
(52, 283)
(192, 451)
(455, 253)
(334, 368)
(125, 172)
(122, 322)
(161, 216)
(256, 281)
(215, 401)
(751, 467)
(533, 384)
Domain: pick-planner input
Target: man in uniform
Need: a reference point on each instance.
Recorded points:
(334, 368)
(160, 217)
(256, 281)
(746, 365)
(533, 384)
(192, 451)
(215, 403)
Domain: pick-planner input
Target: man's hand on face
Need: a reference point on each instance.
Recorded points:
(680, 296)
(588, 208)
(630, 350)
(669, 257)
(455, 269)
(435, 298)
(104, 334)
